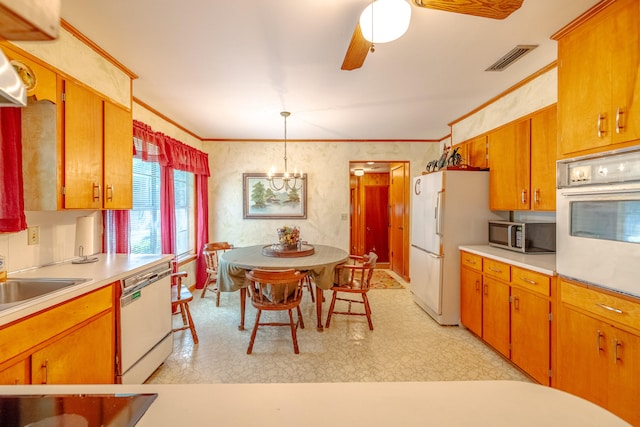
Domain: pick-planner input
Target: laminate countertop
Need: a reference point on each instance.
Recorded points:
(108, 269)
(449, 403)
(542, 263)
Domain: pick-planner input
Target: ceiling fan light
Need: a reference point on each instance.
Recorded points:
(389, 22)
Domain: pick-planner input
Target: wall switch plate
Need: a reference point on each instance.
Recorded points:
(33, 235)
(344, 216)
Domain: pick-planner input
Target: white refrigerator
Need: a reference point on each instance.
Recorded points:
(449, 208)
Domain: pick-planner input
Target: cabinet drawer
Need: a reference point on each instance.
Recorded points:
(471, 260)
(531, 280)
(497, 269)
(619, 310)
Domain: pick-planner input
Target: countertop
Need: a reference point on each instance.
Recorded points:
(542, 263)
(108, 269)
(450, 403)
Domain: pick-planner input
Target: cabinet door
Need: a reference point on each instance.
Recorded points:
(17, 373)
(624, 380)
(477, 152)
(582, 355)
(543, 160)
(495, 314)
(530, 333)
(84, 356)
(471, 300)
(118, 157)
(509, 160)
(82, 148)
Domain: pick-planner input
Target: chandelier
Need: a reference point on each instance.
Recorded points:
(285, 181)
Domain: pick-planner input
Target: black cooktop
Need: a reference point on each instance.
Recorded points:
(74, 410)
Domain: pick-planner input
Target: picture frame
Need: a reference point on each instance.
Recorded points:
(260, 201)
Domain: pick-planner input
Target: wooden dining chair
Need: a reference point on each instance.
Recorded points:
(276, 290)
(353, 277)
(211, 254)
(180, 299)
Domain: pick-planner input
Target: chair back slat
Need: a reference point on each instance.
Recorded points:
(271, 289)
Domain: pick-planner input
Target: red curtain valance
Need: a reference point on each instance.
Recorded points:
(156, 146)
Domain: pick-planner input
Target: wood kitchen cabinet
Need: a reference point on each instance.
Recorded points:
(522, 163)
(471, 292)
(98, 140)
(71, 343)
(599, 348)
(474, 152)
(512, 312)
(599, 79)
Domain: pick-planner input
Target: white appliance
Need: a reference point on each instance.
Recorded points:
(144, 324)
(598, 219)
(448, 209)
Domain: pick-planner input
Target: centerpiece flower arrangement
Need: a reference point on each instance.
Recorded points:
(289, 236)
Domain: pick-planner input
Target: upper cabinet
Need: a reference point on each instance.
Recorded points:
(599, 80)
(474, 152)
(522, 163)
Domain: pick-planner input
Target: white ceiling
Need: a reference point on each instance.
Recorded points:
(224, 69)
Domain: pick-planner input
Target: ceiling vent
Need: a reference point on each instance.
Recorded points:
(512, 56)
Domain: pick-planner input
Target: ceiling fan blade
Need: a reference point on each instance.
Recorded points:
(495, 9)
(357, 50)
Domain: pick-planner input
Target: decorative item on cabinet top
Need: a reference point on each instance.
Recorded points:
(448, 161)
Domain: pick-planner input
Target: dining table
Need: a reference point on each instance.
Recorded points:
(319, 261)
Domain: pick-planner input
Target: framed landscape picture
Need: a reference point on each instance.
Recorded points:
(260, 200)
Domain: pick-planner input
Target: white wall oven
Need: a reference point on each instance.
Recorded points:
(598, 219)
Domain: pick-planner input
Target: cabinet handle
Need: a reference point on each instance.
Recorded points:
(470, 261)
(44, 371)
(599, 342)
(516, 303)
(477, 285)
(606, 307)
(616, 345)
(110, 192)
(619, 125)
(601, 118)
(536, 196)
(96, 192)
(523, 196)
(495, 270)
(529, 281)
(486, 289)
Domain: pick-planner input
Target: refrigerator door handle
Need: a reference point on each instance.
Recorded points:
(438, 213)
(432, 255)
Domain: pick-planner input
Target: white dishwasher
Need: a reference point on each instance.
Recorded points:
(145, 337)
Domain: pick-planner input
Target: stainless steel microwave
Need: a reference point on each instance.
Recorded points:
(525, 237)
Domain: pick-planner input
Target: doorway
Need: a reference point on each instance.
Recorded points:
(379, 206)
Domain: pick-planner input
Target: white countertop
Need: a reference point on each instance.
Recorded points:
(108, 269)
(542, 263)
(451, 403)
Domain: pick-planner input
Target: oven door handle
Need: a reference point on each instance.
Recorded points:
(600, 192)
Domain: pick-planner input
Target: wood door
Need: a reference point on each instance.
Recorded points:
(376, 235)
(495, 314)
(543, 160)
(83, 356)
(398, 218)
(582, 355)
(118, 157)
(530, 333)
(477, 152)
(625, 98)
(18, 373)
(624, 384)
(82, 148)
(509, 160)
(584, 86)
(471, 300)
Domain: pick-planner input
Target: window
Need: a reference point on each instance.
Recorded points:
(144, 217)
(184, 191)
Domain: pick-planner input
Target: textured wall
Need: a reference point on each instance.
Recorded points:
(327, 167)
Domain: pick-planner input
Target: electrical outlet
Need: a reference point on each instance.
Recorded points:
(33, 235)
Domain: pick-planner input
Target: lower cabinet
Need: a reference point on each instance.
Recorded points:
(509, 308)
(599, 348)
(72, 343)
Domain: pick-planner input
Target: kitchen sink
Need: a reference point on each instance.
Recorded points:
(16, 291)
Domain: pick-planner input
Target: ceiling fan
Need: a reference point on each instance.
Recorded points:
(495, 9)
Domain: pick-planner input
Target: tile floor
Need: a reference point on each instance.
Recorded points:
(406, 345)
